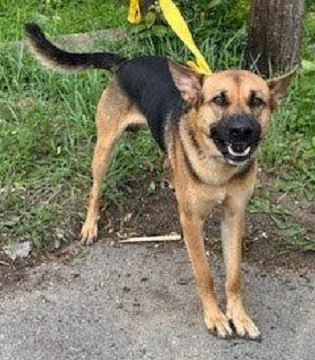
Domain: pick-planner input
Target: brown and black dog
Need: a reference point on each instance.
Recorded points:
(210, 128)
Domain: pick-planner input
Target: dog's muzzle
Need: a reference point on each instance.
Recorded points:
(236, 137)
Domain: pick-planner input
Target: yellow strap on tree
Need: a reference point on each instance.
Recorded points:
(134, 14)
(178, 25)
(180, 28)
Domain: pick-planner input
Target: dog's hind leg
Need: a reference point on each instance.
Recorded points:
(114, 114)
(168, 180)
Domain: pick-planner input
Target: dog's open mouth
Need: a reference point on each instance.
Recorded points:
(237, 138)
(237, 157)
(235, 153)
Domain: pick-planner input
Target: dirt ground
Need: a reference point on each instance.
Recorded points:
(153, 212)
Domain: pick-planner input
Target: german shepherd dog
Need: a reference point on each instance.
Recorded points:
(210, 128)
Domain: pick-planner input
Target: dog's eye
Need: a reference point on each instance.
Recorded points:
(220, 100)
(255, 101)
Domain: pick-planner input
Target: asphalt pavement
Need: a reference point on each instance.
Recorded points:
(138, 302)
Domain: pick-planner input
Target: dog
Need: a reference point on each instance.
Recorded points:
(210, 128)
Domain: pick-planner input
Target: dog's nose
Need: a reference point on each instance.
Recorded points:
(240, 127)
(240, 132)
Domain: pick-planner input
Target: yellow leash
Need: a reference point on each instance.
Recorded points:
(134, 14)
(180, 28)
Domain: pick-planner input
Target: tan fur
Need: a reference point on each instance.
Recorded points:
(208, 181)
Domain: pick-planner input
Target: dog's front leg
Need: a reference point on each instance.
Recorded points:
(233, 224)
(215, 320)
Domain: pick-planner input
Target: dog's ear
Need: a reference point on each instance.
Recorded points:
(188, 82)
(278, 87)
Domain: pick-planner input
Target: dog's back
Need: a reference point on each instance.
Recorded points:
(145, 80)
(148, 83)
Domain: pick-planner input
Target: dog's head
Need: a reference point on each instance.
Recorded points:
(230, 109)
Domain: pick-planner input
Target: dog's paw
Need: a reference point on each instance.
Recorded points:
(243, 324)
(88, 233)
(167, 184)
(218, 324)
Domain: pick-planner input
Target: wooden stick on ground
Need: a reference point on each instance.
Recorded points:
(170, 237)
(3, 263)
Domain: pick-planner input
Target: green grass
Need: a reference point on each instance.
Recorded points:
(59, 17)
(47, 128)
(47, 137)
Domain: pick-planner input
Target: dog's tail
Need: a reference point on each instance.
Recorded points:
(57, 59)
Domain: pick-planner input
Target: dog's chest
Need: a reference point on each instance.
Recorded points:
(219, 195)
(216, 195)
(205, 198)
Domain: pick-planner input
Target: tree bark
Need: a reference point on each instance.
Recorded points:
(275, 33)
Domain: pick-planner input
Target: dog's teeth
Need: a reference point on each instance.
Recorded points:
(233, 153)
(237, 163)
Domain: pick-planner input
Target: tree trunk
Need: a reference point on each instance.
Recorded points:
(275, 32)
